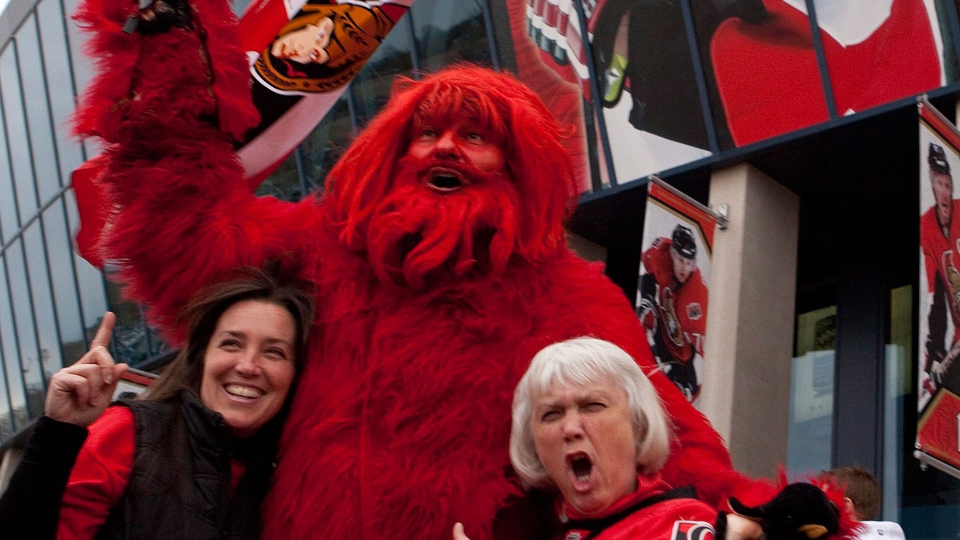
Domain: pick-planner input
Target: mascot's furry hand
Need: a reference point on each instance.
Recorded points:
(800, 511)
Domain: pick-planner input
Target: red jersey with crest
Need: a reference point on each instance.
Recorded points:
(672, 519)
(941, 256)
(681, 307)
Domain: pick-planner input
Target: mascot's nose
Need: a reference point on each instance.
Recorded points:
(447, 147)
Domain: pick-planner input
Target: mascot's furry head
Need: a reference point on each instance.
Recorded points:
(414, 225)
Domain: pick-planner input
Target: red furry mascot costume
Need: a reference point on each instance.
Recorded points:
(436, 281)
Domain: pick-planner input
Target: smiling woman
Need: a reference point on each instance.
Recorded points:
(193, 457)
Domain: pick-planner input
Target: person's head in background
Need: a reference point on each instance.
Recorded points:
(861, 490)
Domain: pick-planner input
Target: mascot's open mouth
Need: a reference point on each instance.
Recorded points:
(445, 180)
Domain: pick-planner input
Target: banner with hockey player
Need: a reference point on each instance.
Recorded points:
(939, 311)
(672, 285)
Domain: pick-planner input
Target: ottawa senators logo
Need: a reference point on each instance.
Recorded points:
(321, 48)
(668, 314)
(692, 530)
(953, 279)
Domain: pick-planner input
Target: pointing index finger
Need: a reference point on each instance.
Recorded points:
(105, 332)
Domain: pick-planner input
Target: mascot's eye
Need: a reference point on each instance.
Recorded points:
(475, 136)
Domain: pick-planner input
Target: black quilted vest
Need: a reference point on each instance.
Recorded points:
(180, 483)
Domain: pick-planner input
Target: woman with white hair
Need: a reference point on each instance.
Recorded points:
(587, 423)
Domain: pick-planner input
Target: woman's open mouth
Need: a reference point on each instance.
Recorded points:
(581, 467)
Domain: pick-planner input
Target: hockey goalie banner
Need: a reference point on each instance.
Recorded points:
(672, 284)
(938, 436)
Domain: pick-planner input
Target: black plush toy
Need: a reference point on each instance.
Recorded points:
(800, 512)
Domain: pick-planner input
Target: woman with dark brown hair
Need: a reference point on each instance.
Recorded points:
(192, 457)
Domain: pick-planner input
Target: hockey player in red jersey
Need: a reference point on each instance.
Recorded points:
(940, 243)
(440, 264)
(672, 305)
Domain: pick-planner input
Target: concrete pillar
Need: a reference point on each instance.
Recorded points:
(750, 323)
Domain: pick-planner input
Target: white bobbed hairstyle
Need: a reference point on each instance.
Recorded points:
(576, 362)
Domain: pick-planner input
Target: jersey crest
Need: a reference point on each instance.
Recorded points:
(692, 530)
(953, 278)
(668, 314)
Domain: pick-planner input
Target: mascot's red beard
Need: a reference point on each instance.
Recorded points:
(419, 230)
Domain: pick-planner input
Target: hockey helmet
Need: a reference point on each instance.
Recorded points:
(937, 159)
(683, 243)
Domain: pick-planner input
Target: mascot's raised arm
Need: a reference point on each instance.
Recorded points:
(440, 263)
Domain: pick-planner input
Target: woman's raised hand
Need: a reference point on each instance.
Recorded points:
(79, 394)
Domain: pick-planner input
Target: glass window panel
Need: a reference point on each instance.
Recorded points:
(761, 69)
(649, 97)
(82, 65)
(31, 349)
(9, 370)
(93, 298)
(371, 86)
(43, 151)
(9, 222)
(948, 39)
(44, 311)
(283, 183)
(60, 257)
(22, 362)
(16, 127)
(810, 437)
(324, 146)
(450, 32)
(56, 59)
(132, 342)
(897, 380)
(879, 51)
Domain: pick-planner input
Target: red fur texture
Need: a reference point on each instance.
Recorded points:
(400, 423)
(119, 59)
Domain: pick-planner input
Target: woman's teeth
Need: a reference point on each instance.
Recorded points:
(242, 391)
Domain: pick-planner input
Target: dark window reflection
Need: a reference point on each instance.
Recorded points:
(449, 32)
(284, 183)
(370, 89)
(133, 340)
(324, 146)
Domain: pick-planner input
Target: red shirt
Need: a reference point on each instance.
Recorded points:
(100, 475)
(672, 519)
